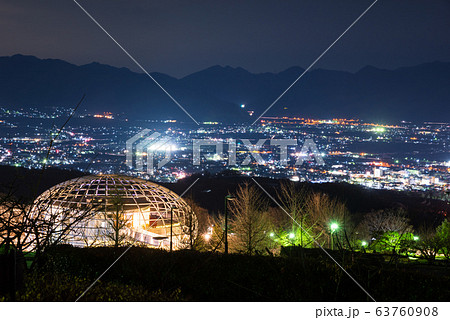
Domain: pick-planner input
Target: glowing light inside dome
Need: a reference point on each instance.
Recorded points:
(147, 210)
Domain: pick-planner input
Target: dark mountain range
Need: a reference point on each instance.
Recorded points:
(418, 93)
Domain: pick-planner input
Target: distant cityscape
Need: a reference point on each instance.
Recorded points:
(401, 156)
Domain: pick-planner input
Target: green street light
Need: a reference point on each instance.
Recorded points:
(333, 227)
(416, 238)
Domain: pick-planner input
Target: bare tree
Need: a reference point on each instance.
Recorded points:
(39, 225)
(386, 229)
(387, 220)
(12, 223)
(322, 211)
(312, 214)
(250, 224)
(213, 236)
(443, 233)
(51, 224)
(195, 223)
(117, 221)
(429, 243)
(294, 201)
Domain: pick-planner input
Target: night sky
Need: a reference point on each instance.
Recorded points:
(181, 37)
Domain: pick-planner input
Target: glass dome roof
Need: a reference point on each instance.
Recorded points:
(147, 207)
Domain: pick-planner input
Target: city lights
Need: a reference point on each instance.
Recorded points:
(245, 151)
(78, 145)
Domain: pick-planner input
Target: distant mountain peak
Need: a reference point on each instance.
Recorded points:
(370, 69)
(215, 93)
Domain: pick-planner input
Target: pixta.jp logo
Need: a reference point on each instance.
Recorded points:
(308, 151)
(143, 148)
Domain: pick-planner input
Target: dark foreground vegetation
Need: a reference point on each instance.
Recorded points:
(143, 274)
(396, 245)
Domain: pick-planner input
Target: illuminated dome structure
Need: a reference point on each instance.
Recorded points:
(138, 210)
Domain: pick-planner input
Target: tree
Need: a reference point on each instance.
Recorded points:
(312, 214)
(388, 220)
(323, 211)
(38, 225)
(12, 223)
(443, 234)
(387, 230)
(393, 242)
(117, 221)
(429, 243)
(32, 227)
(213, 237)
(195, 223)
(293, 230)
(250, 223)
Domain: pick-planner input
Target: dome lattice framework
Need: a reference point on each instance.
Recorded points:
(144, 208)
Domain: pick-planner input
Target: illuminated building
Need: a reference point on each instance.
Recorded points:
(144, 207)
(377, 172)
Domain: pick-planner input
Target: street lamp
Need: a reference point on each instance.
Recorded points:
(171, 227)
(208, 233)
(364, 245)
(227, 197)
(334, 226)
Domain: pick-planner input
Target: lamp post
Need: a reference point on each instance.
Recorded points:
(364, 245)
(227, 197)
(334, 226)
(171, 228)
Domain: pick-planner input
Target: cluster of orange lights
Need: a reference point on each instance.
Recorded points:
(337, 153)
(306, 121)
(379, 125)
(431, 168)
(380, 164)
(105, 115)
